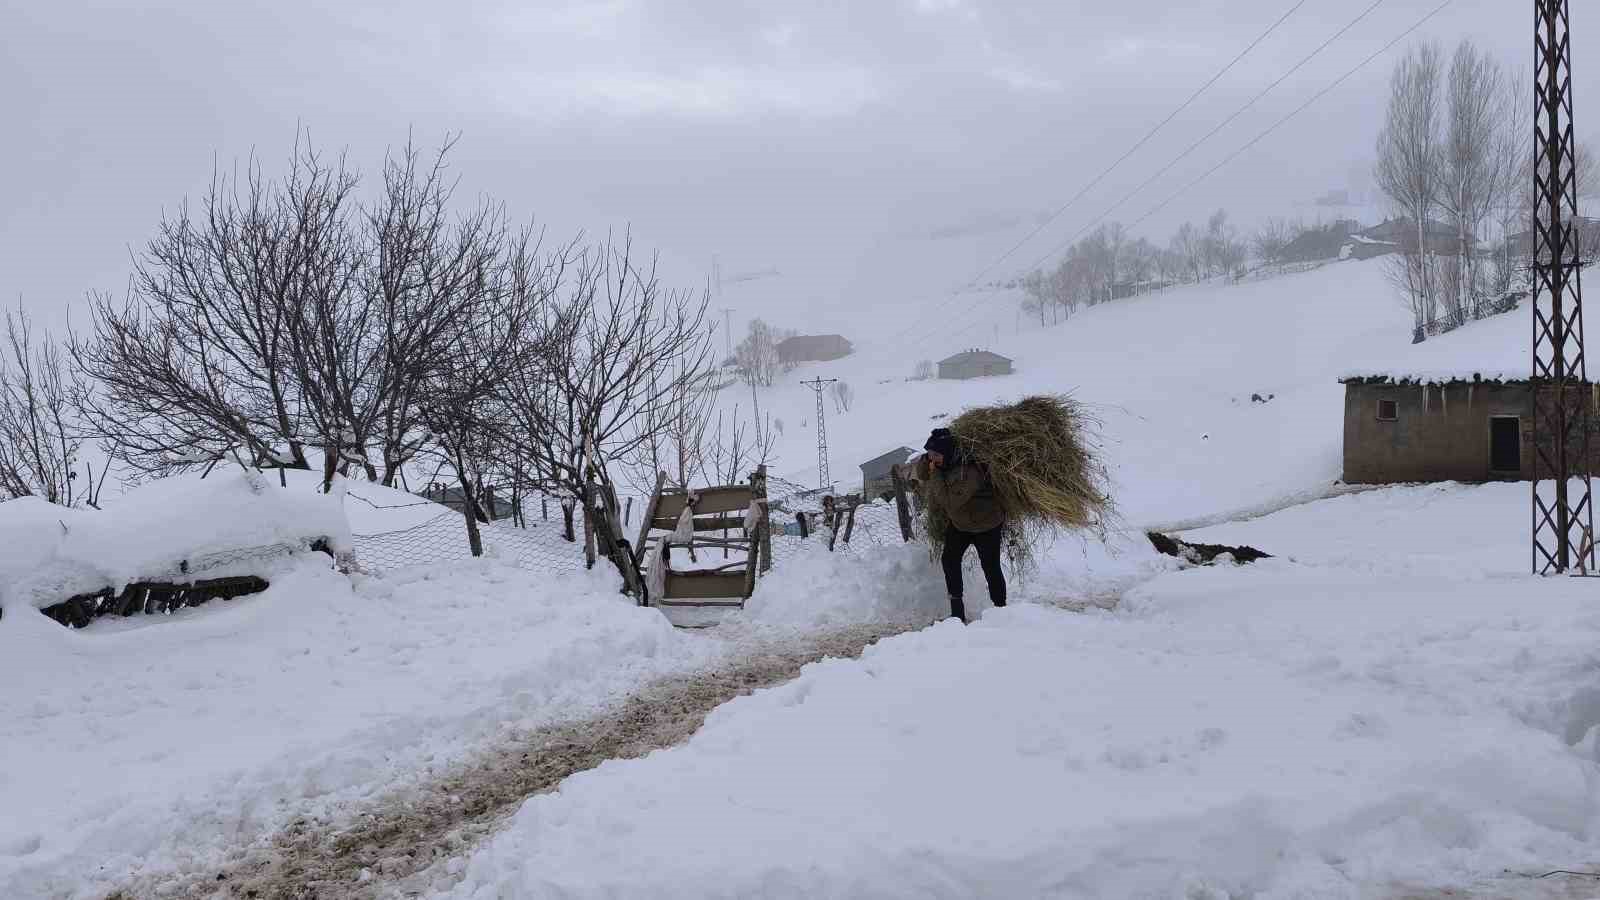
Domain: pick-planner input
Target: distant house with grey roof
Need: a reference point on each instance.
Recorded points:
(974, 364)
(813, 348)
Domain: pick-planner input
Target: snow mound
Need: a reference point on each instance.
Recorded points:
(49, 552)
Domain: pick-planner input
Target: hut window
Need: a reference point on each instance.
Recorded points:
(1388, 410)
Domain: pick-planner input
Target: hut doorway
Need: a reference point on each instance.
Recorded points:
(1505, 444)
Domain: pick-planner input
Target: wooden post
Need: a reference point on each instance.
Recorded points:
(544, 508)
(901, 507)
(469, 509)
(650, 513)
(805, 526)
(758, 490)
(627, 512)
(588, 522)
(850, 522)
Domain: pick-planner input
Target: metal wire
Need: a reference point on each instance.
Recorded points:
(542, 546)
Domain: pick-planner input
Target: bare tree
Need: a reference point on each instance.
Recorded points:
(501, 334)
(757, 355)
(924, 371)
(621, 349)
(39, 439)
(1271, 238)
(673, 435)
(738, 446)
(843, 396)
(1408, 164)
(199, 360)
(1472, 165)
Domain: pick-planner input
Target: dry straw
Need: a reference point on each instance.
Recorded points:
(1042, 458)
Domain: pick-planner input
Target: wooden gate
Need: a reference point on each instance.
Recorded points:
(705, 547)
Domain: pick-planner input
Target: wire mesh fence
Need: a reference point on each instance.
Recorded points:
(541, 546)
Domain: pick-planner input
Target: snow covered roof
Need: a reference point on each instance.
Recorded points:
(49, 552)
(1492, 350)
(978, 356)
(892, 458)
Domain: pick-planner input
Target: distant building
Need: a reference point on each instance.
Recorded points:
(875, 472)
(974, 364)
(1442, 238)
(1466, 429)
(1317, 244)
(1360, 247)
(1588, 238)
(497, 507)
(813, 348)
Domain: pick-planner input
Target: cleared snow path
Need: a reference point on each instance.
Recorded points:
(372, 850)
(1390, 709)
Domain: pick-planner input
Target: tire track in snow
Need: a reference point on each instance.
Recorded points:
(391, 846)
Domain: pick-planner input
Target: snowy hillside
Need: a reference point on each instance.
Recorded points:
(1170, 375)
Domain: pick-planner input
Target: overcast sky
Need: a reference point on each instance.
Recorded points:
(806, 136)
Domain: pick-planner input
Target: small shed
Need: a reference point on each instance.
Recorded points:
(496, 506)
(875, 472)
(974, 364)
(813, 348)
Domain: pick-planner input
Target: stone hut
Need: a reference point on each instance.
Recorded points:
(974, 364)
(1464, 429)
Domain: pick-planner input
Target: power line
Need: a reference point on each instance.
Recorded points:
(1124, 157)
(1297, 111)
(1270, 129)
(1213, 132)
(1141, 142)
(1187, 152)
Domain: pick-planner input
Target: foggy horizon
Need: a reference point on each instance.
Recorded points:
(835, 146)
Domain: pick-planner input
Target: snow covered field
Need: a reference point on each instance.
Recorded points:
(1390, 703)
(1370, 713)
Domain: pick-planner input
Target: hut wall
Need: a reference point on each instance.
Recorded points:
(1439, 433)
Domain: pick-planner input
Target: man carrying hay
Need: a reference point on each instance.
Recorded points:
(1010, 476)
(962, 494)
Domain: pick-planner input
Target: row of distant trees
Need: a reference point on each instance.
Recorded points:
(293, 323)
(1456, 150)
(1108, 262)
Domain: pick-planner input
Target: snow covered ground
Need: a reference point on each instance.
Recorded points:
(1391, 704)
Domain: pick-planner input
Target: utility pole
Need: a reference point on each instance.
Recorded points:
(727, 327)
(1563, 517)
(817, 385)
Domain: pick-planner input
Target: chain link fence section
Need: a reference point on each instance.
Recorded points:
(540, 547)
(877, 525)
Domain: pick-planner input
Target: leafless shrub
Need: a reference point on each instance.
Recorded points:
(39, 437)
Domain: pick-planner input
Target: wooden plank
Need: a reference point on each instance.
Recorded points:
(708, 523)
(704, 586)
(714, 604)
(732, 498)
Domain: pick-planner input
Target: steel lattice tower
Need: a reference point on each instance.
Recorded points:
(1563, 516)
(823, 481)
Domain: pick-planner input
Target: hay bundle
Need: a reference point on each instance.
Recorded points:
(1041, 457)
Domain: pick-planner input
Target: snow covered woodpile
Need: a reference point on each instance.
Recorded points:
(221, 535)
